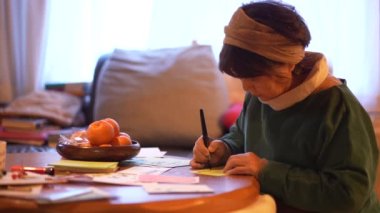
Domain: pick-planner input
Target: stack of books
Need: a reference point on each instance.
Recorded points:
(23, 123)
(32, 131)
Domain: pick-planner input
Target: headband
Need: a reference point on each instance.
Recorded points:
(246, 33)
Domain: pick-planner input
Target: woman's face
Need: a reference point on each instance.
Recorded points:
(267, 87)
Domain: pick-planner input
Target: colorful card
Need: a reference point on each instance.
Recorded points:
(168, 162)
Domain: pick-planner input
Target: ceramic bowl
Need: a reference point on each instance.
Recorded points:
(112, 153)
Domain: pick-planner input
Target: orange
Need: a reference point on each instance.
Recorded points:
(100, 132)
(125, 134)
(115, 125)
(122, 140)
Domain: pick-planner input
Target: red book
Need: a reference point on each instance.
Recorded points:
(26, 137)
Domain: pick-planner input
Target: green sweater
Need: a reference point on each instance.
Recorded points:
(322, 151)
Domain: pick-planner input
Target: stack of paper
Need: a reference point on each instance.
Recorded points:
(84, 166)
(55, 195)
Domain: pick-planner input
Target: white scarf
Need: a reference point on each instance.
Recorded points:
(315, 78)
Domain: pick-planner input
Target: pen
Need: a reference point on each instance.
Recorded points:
(205, 137)
(39, 170)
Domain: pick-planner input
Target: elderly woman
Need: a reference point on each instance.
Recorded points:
(301, 132)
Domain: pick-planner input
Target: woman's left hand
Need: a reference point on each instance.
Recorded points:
(244, 164)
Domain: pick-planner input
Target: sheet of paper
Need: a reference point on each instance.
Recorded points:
(155, 188)
(73, 195)
(168, 162)
(29, 178)
(128, 176)
(55, 194)
(24, 191)
(167, 179)
(118, 179)
(65, 193)
(150, 152)
(139, 170)
(209, 172)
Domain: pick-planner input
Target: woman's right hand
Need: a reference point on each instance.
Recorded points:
(216, 154)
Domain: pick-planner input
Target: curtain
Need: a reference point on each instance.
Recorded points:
(22, 36)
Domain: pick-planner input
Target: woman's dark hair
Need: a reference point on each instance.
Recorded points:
(284, 19)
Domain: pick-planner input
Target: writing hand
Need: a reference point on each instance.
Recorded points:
(217, 154)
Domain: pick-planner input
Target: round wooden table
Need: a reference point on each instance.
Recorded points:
(230, 193)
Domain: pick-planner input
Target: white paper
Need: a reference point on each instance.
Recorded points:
(150, 152)
(30, 178)
(64, 194)
(56, 195)
(25, 192)
(128, 176)
(70, 195)
(118, 179)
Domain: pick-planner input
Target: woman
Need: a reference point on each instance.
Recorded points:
(301, 132)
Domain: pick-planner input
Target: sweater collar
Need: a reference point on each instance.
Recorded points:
(315, 78)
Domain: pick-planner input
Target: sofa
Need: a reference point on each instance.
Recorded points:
(156, 95)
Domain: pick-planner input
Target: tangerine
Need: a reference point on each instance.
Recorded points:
(115, 125)
(100, 132)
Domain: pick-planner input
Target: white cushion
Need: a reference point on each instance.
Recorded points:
(155, 95)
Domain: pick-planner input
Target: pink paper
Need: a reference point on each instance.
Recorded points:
(167, 179)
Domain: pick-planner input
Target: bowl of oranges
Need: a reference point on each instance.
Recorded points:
(101, 141)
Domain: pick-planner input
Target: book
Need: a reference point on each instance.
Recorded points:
(46, 128)
(23, 123)
(26, 141)
(78, 166)
(25, 137)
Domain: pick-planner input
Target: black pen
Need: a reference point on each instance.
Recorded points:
(205, 137)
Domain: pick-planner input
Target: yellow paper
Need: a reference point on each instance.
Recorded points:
(84, 166)
(210, 172)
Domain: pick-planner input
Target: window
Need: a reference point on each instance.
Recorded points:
(347, 32)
